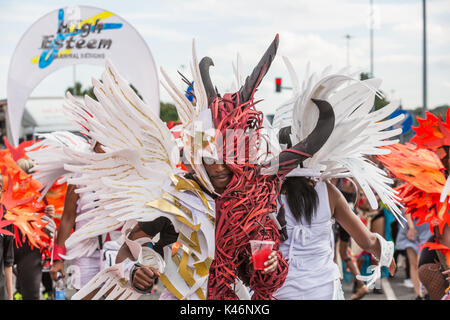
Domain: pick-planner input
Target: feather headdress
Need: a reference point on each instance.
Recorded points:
(358, 133)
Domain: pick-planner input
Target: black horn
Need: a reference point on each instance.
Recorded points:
(291, 158)
(204, 65)
(252, 82)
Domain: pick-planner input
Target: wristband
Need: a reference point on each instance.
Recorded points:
(387, 251)
(58, 251)
(385, 259)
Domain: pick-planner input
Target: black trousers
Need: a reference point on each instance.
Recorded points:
(29, 271)
(47, 282)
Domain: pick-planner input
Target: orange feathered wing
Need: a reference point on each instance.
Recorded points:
(4, 223)
(421, 168)
(437, 246)
(432, 132)
(18, 152)
(20, 201)
(422, 171)
(56, 196)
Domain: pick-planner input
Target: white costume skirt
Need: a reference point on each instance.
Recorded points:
(328, 291)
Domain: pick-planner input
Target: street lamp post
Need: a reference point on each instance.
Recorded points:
(424, 77)
(371, 38)
(348, 37)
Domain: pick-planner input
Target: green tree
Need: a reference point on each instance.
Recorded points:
(77, 90)
(168, 112)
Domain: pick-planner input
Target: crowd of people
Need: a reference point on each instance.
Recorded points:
(334, 196)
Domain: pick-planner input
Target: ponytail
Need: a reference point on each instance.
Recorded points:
(300, 193)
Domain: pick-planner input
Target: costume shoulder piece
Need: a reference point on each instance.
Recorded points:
(186, 262)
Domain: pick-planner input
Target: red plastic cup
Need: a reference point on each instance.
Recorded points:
(261, 250)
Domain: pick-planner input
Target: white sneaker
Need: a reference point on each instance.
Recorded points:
(408, 283)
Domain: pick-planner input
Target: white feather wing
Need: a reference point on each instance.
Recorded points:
(140, 154)
(49, 156)
(358, 133)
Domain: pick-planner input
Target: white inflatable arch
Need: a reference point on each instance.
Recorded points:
(77, 35)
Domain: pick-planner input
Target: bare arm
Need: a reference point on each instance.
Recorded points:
(351, 222)
(9, 282)
(68, 216)
(412, 232)
(343, 214)
(65, 227)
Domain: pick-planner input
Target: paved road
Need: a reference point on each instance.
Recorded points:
(392, 288)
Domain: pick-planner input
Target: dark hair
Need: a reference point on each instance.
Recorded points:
(301, 195)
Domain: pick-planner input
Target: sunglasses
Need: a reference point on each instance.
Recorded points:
(210, 160)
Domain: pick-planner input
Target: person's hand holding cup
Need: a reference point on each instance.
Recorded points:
(262, 255)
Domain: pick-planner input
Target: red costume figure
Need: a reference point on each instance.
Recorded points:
(242, 211)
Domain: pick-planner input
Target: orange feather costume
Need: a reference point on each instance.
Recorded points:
(424, 167)
(20, 199)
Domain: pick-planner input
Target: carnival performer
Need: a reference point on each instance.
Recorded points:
(21, 201)
(143, 277)
(31, 219)
(243, 210)
(434, 267)
(424, 167)
(84, 262)
(410, 239)
(88, 265)
(28, 259)
(6, 253)
(309, 204)
(138, 167)
(137, 180)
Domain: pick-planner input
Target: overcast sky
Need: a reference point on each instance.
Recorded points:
(310, 31)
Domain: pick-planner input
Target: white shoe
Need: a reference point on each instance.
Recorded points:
(408, 283)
